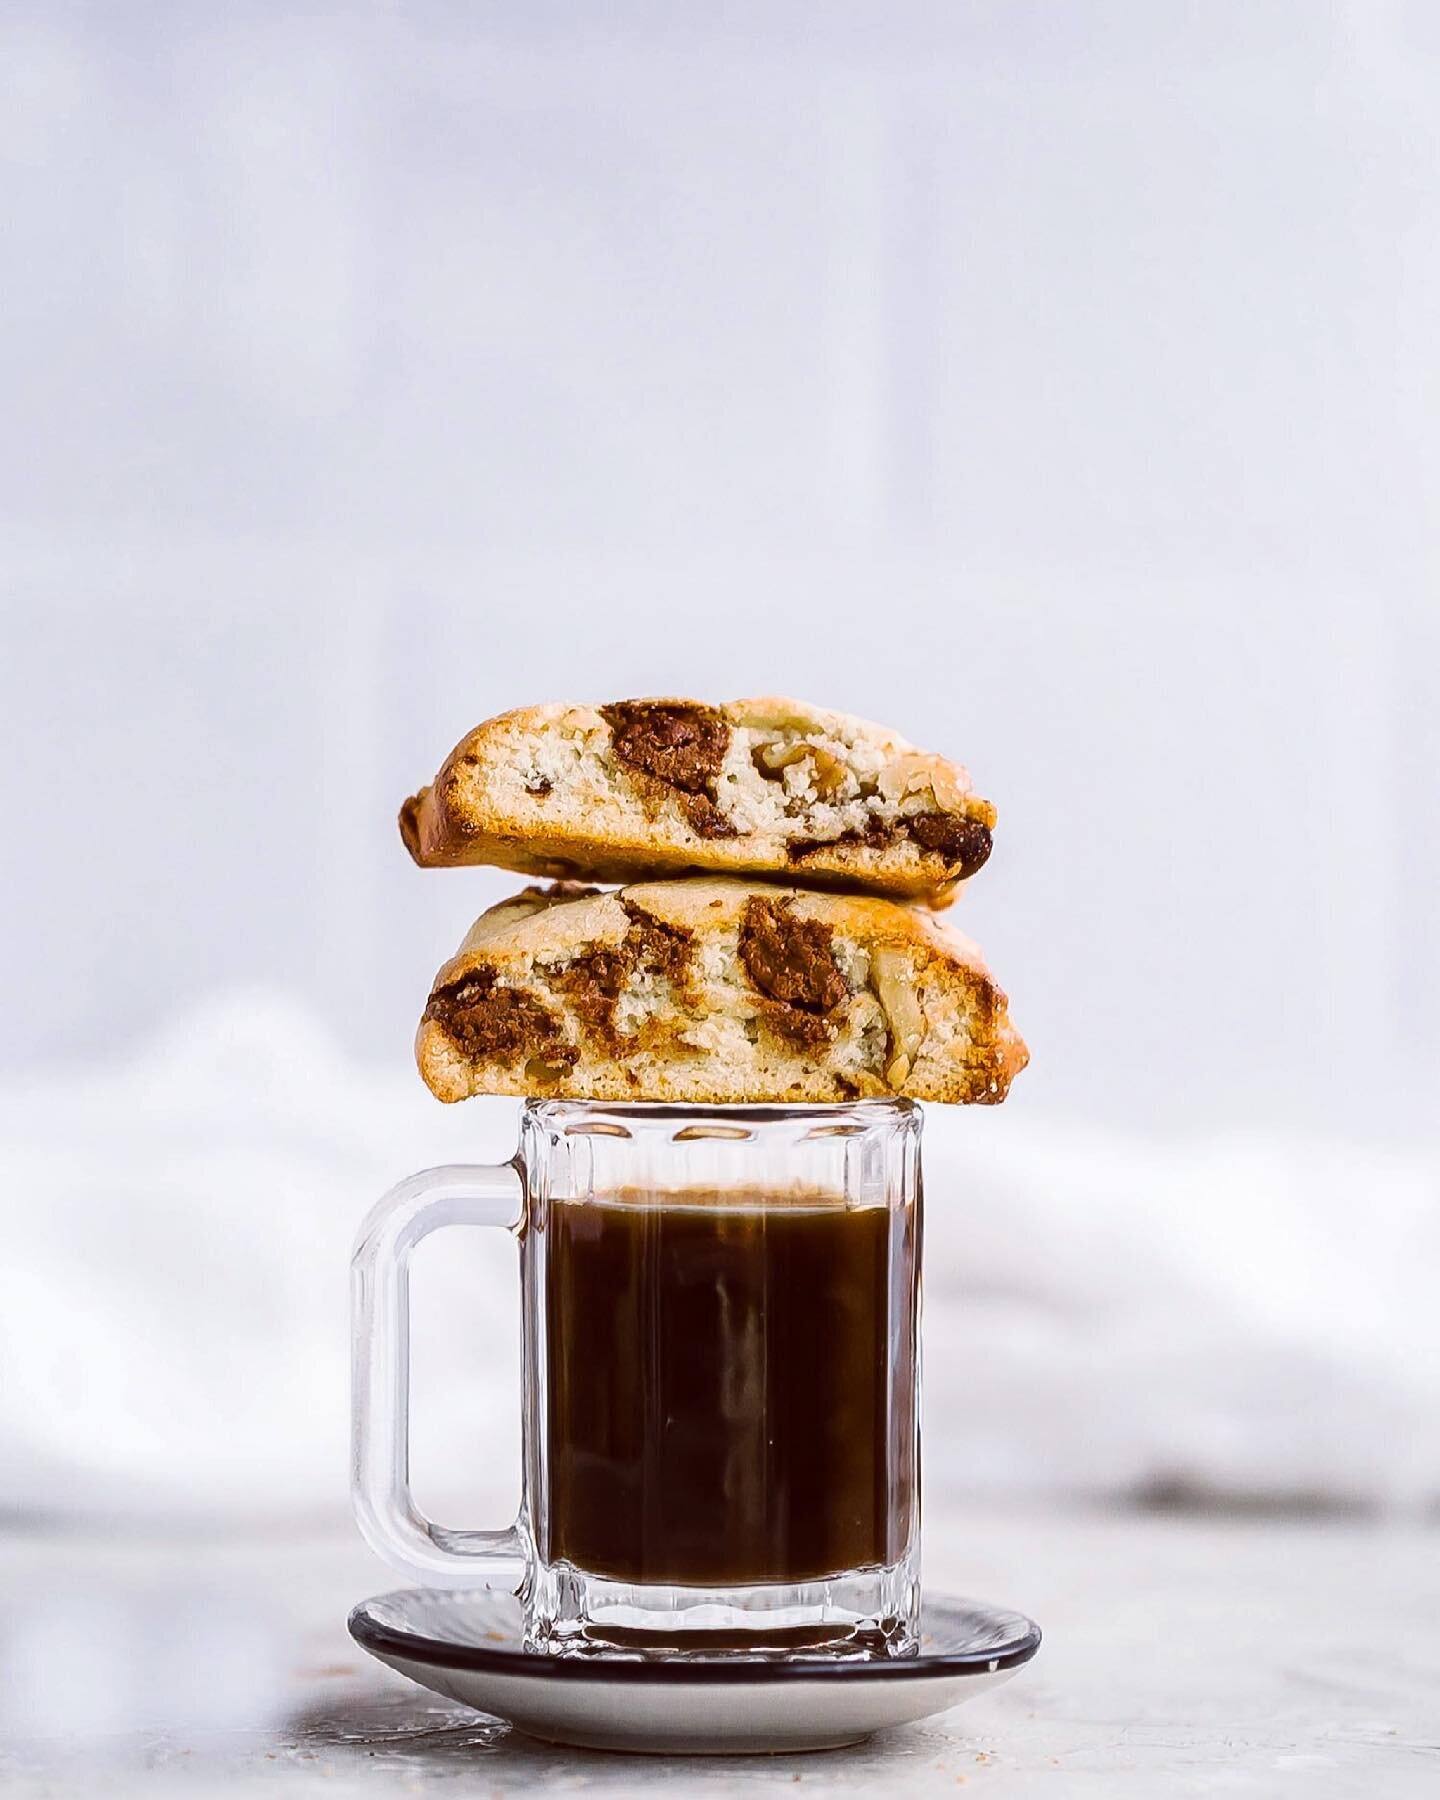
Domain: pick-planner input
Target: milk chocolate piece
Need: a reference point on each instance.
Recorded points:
(790, 959)
(594, 981)
(959, 840)
(680, 743)
(486, 1019)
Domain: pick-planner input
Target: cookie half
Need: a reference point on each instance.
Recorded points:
(641, 788)
(715, 991)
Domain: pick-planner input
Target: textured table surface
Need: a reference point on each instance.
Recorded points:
(1181, 1657)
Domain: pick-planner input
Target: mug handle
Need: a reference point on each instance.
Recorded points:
(390, 1521)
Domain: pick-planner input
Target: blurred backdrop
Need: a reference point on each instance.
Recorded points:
(1058, 384)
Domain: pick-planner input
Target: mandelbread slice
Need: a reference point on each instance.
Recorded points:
(642, 788)
(714, 991)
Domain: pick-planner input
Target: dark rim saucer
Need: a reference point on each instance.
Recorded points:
(958, 1637)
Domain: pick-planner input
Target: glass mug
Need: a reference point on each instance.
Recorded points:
(720, 1313)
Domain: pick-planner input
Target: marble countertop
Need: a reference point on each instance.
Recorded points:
(1182, 1656)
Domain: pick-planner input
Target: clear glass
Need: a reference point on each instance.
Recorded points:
(721, 1366)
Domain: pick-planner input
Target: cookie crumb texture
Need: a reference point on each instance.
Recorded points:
(768, 787)
(715, 991)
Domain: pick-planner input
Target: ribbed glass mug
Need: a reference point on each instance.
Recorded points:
(721, 1370)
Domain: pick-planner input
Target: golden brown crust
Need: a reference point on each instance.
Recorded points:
(716, 991)
(773, 789)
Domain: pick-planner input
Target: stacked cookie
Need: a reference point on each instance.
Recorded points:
(775, 941)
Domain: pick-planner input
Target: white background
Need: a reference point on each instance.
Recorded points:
(1058, 384)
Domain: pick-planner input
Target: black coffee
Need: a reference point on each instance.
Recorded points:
(731, 1388)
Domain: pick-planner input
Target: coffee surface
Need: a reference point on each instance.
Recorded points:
(731, 1387)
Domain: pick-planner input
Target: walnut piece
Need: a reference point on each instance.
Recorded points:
(826, 772)
(913, 774)
(894, 983)
(772, 758)
(830, 773)
(769, 714)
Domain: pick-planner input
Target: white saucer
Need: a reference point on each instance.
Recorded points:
(467, 1647)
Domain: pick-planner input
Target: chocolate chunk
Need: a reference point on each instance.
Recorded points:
(965, 842)
(706, 818)
(677, 742)
(961, 841)
(592, 984)
(594, 981)
(813, 1030)
(655, 947)
(486, 1019)
(790, 959)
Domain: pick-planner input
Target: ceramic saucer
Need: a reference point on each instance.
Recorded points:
(467, 1647)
